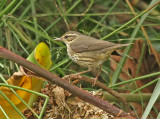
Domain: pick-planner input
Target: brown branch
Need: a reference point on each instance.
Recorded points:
(4, 53)
(99, 84)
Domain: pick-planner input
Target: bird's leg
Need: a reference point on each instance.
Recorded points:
(95, 79)
(89, 69)
(78, 74)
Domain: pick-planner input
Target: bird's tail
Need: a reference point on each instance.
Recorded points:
(116, 46)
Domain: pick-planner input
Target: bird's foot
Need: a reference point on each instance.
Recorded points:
(75, 76)
(71, 77)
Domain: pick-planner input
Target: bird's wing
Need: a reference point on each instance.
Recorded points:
(86, 43)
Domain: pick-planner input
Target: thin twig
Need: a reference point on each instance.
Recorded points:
(99, 84)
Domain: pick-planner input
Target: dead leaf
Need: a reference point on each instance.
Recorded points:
(24, 82)
(73, 107)
(25, 79)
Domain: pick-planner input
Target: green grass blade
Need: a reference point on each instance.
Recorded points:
(153, 99)
(127, 50)
(4, 112)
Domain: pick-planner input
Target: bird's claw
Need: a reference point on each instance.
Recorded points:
(76, 76)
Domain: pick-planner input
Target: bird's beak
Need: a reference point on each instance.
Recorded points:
(58, 39)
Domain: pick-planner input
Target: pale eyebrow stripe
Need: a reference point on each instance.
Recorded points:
(71, 35)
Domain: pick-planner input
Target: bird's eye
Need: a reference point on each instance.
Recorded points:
(65, 37)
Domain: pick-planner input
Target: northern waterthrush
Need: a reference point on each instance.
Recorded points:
(88, 51)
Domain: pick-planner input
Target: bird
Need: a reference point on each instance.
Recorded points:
(88, 51)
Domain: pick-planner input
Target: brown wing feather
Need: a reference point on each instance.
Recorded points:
(92, 44)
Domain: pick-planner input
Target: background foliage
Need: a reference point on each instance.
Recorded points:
(26, 23)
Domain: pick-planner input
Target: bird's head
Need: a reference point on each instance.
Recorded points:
(69, 37)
